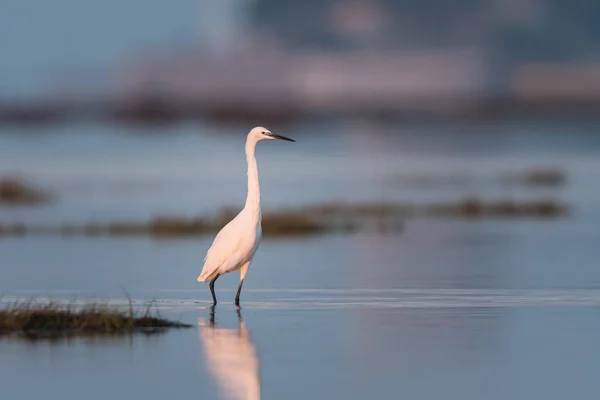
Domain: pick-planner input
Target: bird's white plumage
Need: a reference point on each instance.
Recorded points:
(235, 245)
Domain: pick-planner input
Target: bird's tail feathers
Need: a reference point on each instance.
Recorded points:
(206, 276)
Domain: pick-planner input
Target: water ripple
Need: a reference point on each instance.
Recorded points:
(319, 299)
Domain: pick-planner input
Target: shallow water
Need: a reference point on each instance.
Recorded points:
(101, 172)
(446, 309)
(350, 352)
(490, 309)
(466, 310)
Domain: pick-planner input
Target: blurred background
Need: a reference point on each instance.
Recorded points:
(480, 116)
(285, 60)
(99, 101)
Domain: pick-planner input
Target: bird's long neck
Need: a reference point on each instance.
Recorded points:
(253, 199)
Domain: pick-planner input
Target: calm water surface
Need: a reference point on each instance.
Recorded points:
(446, 309)
(390, 353)
(443, 309)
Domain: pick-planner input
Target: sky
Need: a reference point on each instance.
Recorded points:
(41, 40)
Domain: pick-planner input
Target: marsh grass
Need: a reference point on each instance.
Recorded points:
(536, 177)
(50, 320)
(466, 208)
(14, 191)
(311, 220)
(533, 177)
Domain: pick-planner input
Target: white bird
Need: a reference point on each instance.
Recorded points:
(235, 245)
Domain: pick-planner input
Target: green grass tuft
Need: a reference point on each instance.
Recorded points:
(35, 320)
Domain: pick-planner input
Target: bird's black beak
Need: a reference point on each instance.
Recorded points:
(287, 139)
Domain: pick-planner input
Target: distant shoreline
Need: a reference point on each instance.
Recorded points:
(151, 110)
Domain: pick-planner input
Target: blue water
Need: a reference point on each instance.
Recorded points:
(444, 309)
(451, 309)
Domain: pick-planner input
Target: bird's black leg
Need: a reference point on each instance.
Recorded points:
(237, 296)
(212, 288)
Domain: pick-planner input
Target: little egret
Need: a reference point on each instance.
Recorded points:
(235, 245)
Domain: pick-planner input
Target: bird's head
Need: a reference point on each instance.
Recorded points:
(260, 133)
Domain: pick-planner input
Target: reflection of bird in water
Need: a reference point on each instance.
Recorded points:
(231, 358)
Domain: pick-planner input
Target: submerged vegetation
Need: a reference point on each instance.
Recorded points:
(51, 320)
(310, 220)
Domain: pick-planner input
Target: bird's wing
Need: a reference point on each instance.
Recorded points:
(225, 245)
